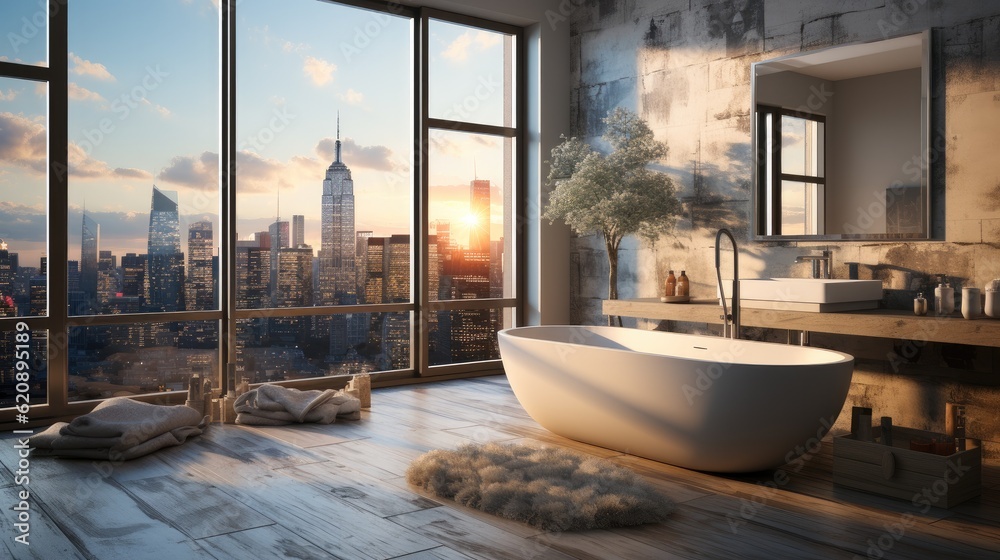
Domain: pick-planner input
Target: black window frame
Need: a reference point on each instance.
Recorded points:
(771, 184)
(58, 323)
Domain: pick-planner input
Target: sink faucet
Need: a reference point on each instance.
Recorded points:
(821, 263)
(730, 321)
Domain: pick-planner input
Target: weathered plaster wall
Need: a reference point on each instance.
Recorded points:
(684, 65)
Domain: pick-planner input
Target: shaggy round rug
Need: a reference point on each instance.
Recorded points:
(551, 489)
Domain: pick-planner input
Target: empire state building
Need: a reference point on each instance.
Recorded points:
(337, 284)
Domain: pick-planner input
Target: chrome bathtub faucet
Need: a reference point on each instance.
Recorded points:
(730, 321)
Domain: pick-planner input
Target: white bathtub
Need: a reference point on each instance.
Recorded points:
(699, 402)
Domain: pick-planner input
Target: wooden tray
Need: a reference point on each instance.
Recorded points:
(900, 472)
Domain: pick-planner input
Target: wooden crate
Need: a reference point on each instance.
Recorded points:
(899, 472)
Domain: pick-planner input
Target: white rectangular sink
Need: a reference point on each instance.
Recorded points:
(810, 290)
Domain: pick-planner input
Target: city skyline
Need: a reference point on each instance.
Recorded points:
(287, 100)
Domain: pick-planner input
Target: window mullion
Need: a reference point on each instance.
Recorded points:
(420, 339)
(58, 210)
(227, 215)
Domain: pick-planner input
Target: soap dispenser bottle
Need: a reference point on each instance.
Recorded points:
(683, 285)
(944, 297)
(670, 286)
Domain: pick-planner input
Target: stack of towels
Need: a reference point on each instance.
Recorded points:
(120, 429)
(273, 405)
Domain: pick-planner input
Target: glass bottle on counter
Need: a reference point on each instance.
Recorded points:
(670, 285)
(944, 298)
(683, 285)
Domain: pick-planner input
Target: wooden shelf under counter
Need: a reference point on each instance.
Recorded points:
(884, 323)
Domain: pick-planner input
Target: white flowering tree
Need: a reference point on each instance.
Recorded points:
(616, 194)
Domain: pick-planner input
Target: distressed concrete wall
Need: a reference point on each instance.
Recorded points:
(684, 65)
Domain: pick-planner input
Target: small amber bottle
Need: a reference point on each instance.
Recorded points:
(683, 285)
(670, 286)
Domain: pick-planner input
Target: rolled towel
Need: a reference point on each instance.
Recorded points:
(275, 405)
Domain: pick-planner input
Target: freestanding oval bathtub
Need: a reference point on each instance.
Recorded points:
(699, 402)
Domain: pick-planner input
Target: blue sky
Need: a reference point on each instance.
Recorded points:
(144, 111)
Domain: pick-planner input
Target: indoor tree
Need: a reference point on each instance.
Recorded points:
(613, 194)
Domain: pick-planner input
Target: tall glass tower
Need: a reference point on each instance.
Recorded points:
(337, 242)
(89, 248)
(479, 210)
(200, 286)
(165, 262)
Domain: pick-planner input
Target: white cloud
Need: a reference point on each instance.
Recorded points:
(23, 142)
(468, 43)
(351, 97)
(9, 96)
(82, 166)
(487, 39)
(377, 157)
(163, 111)
(96, 70)
(80, 93)
(290, 47)
(458, 50)
(199, 172)
(318, 70)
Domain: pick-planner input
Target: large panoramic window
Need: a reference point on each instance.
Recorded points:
(286, 188)
(472, 166)
(143, 194)
(324, 188)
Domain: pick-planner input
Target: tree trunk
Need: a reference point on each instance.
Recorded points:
(613, 279)
(612, 274)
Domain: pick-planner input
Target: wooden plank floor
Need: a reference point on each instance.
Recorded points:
(339, 491)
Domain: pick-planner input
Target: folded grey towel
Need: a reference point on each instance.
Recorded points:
(120, 429)
(131, 421)
(274, 405)
(51, 444)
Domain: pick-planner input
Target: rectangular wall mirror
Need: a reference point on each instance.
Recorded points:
(841, 138)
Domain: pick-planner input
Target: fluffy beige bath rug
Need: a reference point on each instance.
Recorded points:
(551, 489)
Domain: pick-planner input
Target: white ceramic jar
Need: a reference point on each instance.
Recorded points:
(992, 307)
(972, 303)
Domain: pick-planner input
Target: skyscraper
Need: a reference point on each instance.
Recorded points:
(134, 275)
(298, 230)
(165, 262)
(337, 247)
(107, 278)
(89, 248)
(361, 262)
(6, 271)
(200, 286)
(479, 216)
(387, 280)
(294, 289)
(252, 272)
(278, 232)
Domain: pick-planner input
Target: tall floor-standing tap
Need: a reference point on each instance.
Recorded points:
(730, 321)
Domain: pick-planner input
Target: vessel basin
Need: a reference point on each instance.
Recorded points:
(810, 290)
